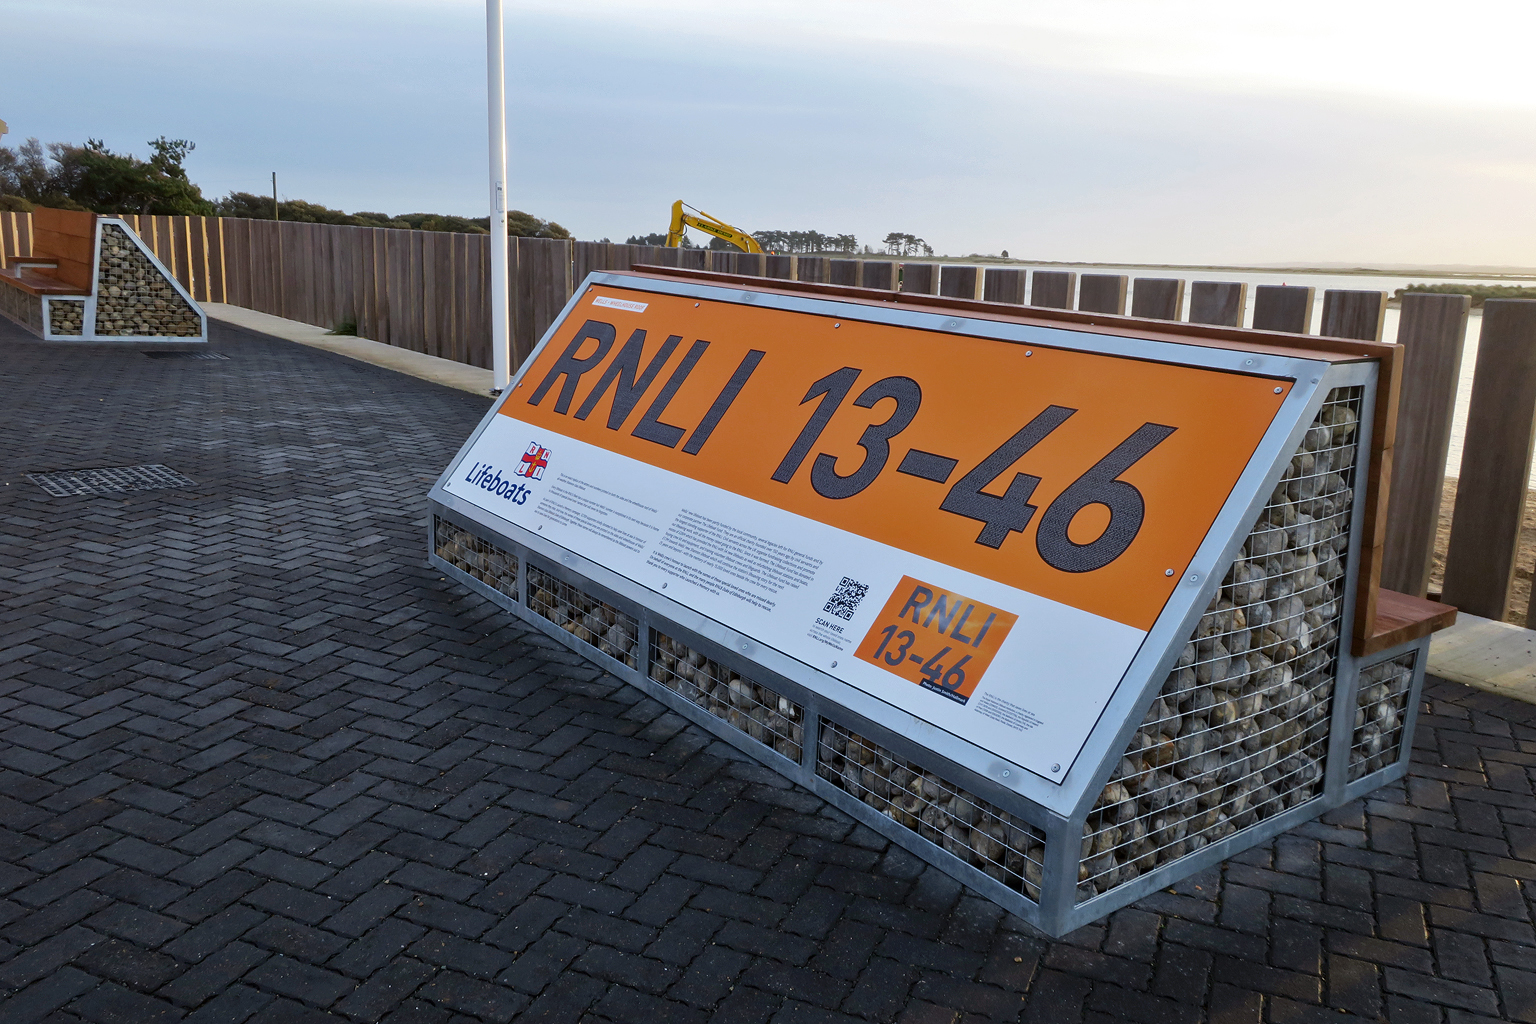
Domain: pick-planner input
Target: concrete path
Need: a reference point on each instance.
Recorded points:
(1488, 654)
(417, 364)
(260, 763)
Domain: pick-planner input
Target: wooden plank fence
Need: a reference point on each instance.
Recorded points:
(429, 292)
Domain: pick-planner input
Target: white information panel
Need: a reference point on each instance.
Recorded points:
(977, 533)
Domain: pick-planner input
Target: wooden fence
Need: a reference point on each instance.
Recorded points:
(429, 292)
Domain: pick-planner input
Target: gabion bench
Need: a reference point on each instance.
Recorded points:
(1277, 683)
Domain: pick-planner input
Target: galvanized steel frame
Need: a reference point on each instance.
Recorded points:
(1059, 810)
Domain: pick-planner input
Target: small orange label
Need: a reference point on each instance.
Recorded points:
(941, 641)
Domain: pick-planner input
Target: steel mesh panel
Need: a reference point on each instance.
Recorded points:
(1381, 707)
(1004, 846)
(66, 317)
(585, 617)
(768, 717)
(477, 556)
(1239, 731)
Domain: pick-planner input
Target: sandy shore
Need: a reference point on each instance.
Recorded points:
(1520, 595)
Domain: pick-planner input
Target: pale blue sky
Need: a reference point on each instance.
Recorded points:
(1112, 130)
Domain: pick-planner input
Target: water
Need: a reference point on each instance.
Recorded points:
(1323, 281)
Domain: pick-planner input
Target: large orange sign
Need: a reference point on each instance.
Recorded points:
(1087, 479)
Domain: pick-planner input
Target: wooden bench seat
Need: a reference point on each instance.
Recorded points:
(36, 280)
(1401, 618)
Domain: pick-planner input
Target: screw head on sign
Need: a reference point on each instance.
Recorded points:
(1194, 577)
(1055, 767)
(695, 305)
(1278, 390)
(834, 664)
(1167, 572)
(837, 325)
(1005, 773)
(1027, 352)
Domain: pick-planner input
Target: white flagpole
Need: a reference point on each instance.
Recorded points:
(496, 94)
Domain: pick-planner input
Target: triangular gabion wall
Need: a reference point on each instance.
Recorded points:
(1240, 729)
(133, 297)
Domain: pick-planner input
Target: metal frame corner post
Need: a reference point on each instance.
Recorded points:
(496, 96)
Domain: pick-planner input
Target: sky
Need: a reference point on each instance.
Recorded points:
(1147, 131)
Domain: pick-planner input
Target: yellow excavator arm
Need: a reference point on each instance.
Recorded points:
(711, 225)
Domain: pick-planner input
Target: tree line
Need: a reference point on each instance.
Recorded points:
(783, 242)
(1479, 293)
(93, 178)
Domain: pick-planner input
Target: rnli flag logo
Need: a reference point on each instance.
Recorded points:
(534, 461)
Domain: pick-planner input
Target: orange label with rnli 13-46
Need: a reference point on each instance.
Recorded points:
(1085, 478)
(941, 641)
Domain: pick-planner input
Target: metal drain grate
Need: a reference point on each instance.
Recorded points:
(186, 355)
(113, 480)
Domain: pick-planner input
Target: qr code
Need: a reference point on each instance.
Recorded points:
(846, 600)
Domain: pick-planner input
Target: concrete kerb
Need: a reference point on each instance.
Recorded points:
(416, 364)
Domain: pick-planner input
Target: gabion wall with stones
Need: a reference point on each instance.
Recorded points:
(589, 620)
(1381, 704)
(480, 558)
(23, 307)
(764, 714)
(1000, 844)
(133, 299)
(66, 317)
(1240, 729)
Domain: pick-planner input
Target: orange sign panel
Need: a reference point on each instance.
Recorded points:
(939, 640)
(1081, 477)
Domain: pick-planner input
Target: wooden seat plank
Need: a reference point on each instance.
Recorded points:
(1401, 618)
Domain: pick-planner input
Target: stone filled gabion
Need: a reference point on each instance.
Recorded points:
(586, 618)
(767, 716)
(133, 299)
(22, 307)
(1239, 731)
(1381, 705)
(66, 317)
(480, 558)
(1002, 845)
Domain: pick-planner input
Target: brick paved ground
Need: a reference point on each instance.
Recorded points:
(257, 762)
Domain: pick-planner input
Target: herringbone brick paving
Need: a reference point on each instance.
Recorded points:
(259, 762)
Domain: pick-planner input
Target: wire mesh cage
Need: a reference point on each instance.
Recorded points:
(593, 622)
(1239, 731)
(982, 835)
(1381, 708)
(476, 556)
(767, 716)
